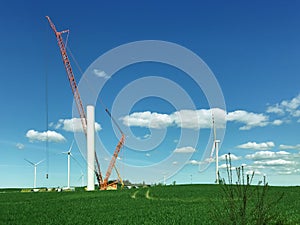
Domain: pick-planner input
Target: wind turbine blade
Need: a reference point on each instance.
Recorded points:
(40, 162)
(80, 177)
(70, 149)
(213, 150)
(29, 162)
(76, 161)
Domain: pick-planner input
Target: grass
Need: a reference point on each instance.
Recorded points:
(182, 204)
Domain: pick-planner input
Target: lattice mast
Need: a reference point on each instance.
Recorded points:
(103, 184)
(74, 87)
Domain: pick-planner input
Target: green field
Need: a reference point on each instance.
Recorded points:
(182, 204)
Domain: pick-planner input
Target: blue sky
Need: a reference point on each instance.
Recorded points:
(251, 47)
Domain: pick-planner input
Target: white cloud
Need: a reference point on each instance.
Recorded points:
(286, 106)
(147, 119)
(277, 122)
(274, 162)
(192, 119)
(100, 73)
(187, 149)
(20, 146)
(257, 146)
(194, 162)
(266, 155)
(202, 118)
(250, 119)
(224, 166)
(296, 113)
(197, 119)
(52, 136)
(232, 156)
(289, 147)
(250, 172)
(73, 125)
(275, 109)
(292, 104)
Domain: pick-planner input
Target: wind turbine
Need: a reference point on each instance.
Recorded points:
(35, 165)
(69, 161)
(215, 148)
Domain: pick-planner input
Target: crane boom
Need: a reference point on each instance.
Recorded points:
(103, 184)
(119, 177)
(74, 88)
(70, 74)
(113, 161)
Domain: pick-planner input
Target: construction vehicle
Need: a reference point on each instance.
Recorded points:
(103, 183)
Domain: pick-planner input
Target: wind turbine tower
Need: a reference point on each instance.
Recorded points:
(35, 166)
(216, 148)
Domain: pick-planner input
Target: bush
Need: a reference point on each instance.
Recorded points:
(243, 203)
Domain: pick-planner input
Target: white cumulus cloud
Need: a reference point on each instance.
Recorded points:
(20, 146)
(187, 149)
(289, 147)
(202, 118)
(250, 119)
(100, 73)
(257, 146)
(194, 162)
(51, 136)
(232, 156)
(266, 155)
(277, 122)
(197, 119)
(286, 106)
(73, 125)
(191, 119)
(276, 109)
(224, 166)
(274, 162)
(147, 119)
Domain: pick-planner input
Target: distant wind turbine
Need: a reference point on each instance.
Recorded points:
(69, 161)
(215, 148)
(35, 165)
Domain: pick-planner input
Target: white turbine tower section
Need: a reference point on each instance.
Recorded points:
(35, 166)
(215, 148)
(69, 162)
(90, 147)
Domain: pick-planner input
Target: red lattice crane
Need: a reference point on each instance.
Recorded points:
(103, 184)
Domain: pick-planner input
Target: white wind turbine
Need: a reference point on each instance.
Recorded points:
(215, 148)
(35, 166)
(69, 161)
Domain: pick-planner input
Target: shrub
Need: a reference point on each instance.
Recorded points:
(243, 203)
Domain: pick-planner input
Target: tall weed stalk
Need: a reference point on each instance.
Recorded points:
(243, 203)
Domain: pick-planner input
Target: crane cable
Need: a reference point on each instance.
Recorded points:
(93, 90)
(99, 99)
(46, 111)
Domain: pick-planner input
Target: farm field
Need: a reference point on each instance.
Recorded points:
(181, 204)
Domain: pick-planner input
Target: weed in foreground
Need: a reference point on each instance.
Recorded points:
(243, 203)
